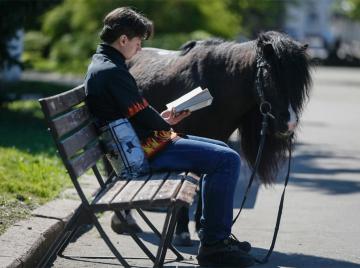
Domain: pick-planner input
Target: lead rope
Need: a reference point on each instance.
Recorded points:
(265, 110)
(278, 219)
(257, 162)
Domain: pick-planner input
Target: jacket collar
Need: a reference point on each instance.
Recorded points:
(112, 53)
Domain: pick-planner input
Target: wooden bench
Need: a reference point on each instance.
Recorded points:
(80, 148)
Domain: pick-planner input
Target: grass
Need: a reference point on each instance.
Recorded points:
(31, 173)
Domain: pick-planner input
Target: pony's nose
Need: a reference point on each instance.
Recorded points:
(292, 123)
(291, 126)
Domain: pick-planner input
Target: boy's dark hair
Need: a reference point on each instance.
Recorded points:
(125, 21)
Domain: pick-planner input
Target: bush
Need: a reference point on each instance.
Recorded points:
(174, 41)
(35, 41)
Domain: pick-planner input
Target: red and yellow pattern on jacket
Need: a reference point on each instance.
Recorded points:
(137, 107)
(153, 144)
(157, 142)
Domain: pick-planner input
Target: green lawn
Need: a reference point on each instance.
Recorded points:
(31, 173)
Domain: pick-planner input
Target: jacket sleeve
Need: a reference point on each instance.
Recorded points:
(125, 94)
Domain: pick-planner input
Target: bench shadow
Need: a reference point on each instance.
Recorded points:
(298, 260)
(277, 260)
(153, 239)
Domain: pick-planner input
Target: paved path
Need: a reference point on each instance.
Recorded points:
(321, 218)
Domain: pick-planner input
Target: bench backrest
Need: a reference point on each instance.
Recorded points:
(74, 132)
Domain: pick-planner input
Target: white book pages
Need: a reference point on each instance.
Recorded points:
(200, 105)
(192, 101)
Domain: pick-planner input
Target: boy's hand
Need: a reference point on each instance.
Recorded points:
(173, 118)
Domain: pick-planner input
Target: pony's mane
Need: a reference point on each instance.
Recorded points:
(290, 56)
(290, 72)
(185, 48)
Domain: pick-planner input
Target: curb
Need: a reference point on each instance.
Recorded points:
(24, 243)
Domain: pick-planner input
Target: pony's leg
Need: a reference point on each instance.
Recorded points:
(182, 224)
(198, 210)
(182, 234)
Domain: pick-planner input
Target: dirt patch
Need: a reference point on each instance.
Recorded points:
(12, 211)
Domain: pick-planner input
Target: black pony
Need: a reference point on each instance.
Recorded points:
(230, 71)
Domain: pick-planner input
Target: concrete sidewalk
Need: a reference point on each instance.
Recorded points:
(321, 219)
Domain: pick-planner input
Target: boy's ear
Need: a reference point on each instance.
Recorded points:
(123, 39)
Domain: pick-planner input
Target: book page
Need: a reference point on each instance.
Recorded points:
(192, 101)
(184, 98)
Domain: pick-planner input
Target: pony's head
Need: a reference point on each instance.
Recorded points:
(283, 78)
(282, 86)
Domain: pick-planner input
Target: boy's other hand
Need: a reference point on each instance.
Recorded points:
(173, 118)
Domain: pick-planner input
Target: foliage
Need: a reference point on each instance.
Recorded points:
(257, 16)
(349, 8)
(173, 41)
(71, 28)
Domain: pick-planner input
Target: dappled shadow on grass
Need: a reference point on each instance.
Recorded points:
(23, 127)
(16, 90)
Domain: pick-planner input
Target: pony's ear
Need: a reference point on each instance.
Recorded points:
(185, 48)
(268, 49)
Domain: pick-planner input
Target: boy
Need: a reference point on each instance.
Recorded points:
(112, 93)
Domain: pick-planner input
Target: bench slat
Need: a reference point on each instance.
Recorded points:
(187, 192)
(82, 163)
(112, 192)
(169, 189)
(70, 121)
(78, 140)
(151, 187)
(129, 191)
(62, 102)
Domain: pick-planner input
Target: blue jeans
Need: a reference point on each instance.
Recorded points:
(221, 165)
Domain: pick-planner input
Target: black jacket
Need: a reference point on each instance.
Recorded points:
(112, 93)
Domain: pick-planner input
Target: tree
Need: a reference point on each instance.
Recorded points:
(71, 28)
(260, 15)
(350, 8)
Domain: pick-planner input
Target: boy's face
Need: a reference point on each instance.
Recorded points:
(129, 47)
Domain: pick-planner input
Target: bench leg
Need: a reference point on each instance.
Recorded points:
(136, 238)
(107, 241)
(167, 234)
(153, 228)
(83, 218)
(63, 239)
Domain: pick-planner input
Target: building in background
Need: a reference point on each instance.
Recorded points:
(310, 22)
(320, 24)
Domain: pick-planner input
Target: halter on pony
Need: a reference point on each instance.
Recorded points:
(265, 110)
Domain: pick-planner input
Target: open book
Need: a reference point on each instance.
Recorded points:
(192, 101)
